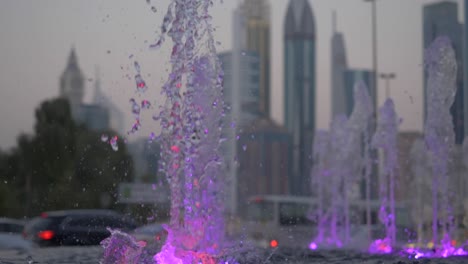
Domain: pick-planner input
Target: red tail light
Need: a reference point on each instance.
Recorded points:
(46, 235)
(273, 243)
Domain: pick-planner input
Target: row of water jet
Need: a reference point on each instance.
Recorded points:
(385, 138)
(191, 122)
(340, 157)
(439, 137)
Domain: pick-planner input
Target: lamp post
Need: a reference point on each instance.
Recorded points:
(387, 77)
(373, 154)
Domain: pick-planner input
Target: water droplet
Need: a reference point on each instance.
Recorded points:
(244, 147)
(140, 83)
(104, 138)
(137, 66)
(243, 53)
(153, 8)
(29, 259)
(135, 108)
(145, 104)
(113, 143)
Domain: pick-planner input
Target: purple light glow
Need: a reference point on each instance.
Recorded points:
(444, 251)
(312, 246)
(381, 246)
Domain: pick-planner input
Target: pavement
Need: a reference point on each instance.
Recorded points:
(88, 255)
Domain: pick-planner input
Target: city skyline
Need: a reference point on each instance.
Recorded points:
(106, 33)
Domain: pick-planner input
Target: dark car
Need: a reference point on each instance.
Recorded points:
(75, 227)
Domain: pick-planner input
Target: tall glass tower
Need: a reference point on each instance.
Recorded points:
(299, 93)
(256, 14)
(338, 67)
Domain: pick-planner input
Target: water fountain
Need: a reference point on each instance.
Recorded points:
(190, 139)
(336, 169)
(385, 138)
(191, 122)
(441, 66)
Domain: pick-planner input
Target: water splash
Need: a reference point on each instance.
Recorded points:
(385, 138)
(439, 138)
(104, 138)
(190, 159)
(337, 168)
(121, 248)
(439, 135)
(114, 143)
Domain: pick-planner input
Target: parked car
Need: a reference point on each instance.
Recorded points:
(75, 227)
(154, 235)
(11, 226)
(10, 234)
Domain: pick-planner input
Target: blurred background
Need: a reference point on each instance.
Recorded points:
(67, 75)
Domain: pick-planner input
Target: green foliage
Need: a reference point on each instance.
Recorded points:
(61, 166)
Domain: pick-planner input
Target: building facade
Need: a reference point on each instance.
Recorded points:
(256, 16)
(249, 85)
(116, 116)
(72, 87)
(300, 90)
(264, 161)
(441, 19)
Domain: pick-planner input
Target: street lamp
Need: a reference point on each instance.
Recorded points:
(374, 119)
(387, 77)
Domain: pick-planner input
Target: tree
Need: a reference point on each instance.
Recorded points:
(62, 166)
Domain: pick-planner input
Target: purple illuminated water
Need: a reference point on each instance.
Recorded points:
(441, 67)
(337, 168)
(385, 138)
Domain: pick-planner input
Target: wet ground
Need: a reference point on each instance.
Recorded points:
(85, 255)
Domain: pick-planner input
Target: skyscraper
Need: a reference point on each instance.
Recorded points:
(72, 84)
(94, 116)
(299, 94)
(256, 16)
(441, 19)
(338, 66)
(249, 84)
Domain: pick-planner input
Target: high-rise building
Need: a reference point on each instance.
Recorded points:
(352, 76)
(299, 93)
(338, 66)
(264, 163)
(72, 84)
(441, 19)
(256, 16)
(247, 96)
(116, 116)
(72, 87)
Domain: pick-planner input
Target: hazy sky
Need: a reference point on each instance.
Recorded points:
(36, 38)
